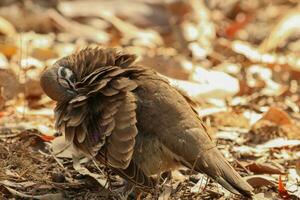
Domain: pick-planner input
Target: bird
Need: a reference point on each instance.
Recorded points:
(131, 119)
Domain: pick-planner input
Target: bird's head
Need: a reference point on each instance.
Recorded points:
(58, 82)
(74, 74)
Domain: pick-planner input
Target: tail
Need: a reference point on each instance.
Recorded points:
(215, 165)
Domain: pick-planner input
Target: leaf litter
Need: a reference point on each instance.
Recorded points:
(238, 61)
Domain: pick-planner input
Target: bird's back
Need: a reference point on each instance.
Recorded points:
(164, 112)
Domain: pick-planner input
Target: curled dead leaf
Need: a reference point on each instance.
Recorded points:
(257, 181)
(276, 123)
(278, 116)
(263, 168)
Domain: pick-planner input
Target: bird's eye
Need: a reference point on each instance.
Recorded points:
(72, 78)
(66, 77)
(65, 73)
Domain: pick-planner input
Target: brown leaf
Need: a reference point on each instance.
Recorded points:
(8, 49)
(278, 116)
(9, 85)
(292, 131)
(43, 53)
(263, 168)
(257, 181)
(33, 89)
(166, 65)
(298, 166)
(231, 119)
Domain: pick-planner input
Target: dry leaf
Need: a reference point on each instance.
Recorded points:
(168, 65)
(200, 185)
(274, 123)
(55, 196)
(61, 149)
(291, 61)
(231, 119)
(9, 85)
(265, 196)
(277, 116)
(288, 25)
(167, 189)
(227, 135)
(197, 30)
(208, 84)
(43, 53)
(21, 185)
(292, 131)
(298, 167)
(279, 143)
(263, 168)
(79, 30)
(101, 179)
(132, 35)
(257, 181)
(6, 27)
(8, 49)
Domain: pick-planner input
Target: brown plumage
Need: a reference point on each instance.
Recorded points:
(132, 119)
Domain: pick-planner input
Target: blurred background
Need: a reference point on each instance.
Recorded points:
(238, 60)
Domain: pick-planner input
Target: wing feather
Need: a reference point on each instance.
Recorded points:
(101, 119)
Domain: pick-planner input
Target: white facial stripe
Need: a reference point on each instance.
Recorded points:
(66, 77)
(69, 73)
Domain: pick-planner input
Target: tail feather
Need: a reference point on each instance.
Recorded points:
(215, 165)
